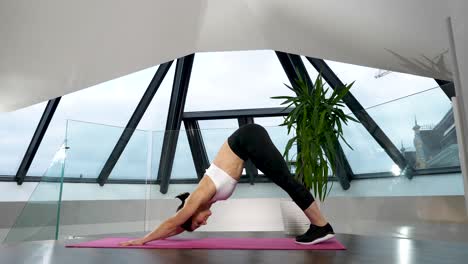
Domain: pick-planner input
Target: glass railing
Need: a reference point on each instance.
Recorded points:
(183, 167)
(40, 217)
(131, 199)
(113, 208)
(90, 146)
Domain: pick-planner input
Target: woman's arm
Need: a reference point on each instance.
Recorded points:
(171, 226)
(167, 229)
(175, 233)
(161, 232)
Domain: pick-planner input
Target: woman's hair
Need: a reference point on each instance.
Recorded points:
(187, 226)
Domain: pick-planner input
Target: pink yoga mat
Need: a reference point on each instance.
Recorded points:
(214, 243)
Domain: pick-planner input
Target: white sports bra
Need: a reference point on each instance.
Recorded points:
(224, 183)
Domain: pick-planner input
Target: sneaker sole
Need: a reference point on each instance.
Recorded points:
(318, 240)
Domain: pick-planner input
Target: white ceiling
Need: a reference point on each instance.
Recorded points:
(49, 48)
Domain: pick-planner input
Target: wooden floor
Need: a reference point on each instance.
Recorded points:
(360, 249)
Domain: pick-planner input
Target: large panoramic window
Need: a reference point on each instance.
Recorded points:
(411, 110)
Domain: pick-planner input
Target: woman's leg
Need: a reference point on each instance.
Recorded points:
(253, 142)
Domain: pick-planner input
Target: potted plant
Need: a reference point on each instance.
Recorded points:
(317, 118)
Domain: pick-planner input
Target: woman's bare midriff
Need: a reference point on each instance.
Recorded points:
(228, 161)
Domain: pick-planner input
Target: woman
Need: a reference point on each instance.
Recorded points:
(248, 142)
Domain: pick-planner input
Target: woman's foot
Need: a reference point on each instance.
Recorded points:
(316, 234)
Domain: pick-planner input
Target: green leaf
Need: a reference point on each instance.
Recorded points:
(318, 121)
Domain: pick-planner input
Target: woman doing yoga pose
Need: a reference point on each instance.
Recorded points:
(248, 142)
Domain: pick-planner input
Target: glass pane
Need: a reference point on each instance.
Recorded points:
(113, 209)
(157, 140)
(214, 138)
(429, 146)
(90, 209)
(373, 86)
(39, 218)
(110, 103)
(215, 133)
(90, 146)
(366, 155)
(183, 167)
(160, 206)
(270, 121)
(390, 97)
(423, 128)
(235, 80)
(313, 73)
(155, 116)
(134, 161)
(221, 123)
(16, 131)
(278, 134)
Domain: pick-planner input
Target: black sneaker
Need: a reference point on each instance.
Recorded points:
(316, 234)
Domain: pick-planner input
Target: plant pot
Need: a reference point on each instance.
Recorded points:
(294, 220)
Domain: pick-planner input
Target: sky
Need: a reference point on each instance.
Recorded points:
(219, 81)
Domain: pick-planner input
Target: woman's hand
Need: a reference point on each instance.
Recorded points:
(135, 242)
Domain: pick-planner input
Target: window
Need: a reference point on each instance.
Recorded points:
(235, 80)
(183, 166)
(367, 156)
(373, 86)
(278, 134)
(16, 131)
(215, 133)
(422, 126)
(109, 103)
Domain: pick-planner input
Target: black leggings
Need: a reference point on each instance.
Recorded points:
(253, 142)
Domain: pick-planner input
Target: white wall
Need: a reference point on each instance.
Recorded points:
(433, 185)
(116, 208)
